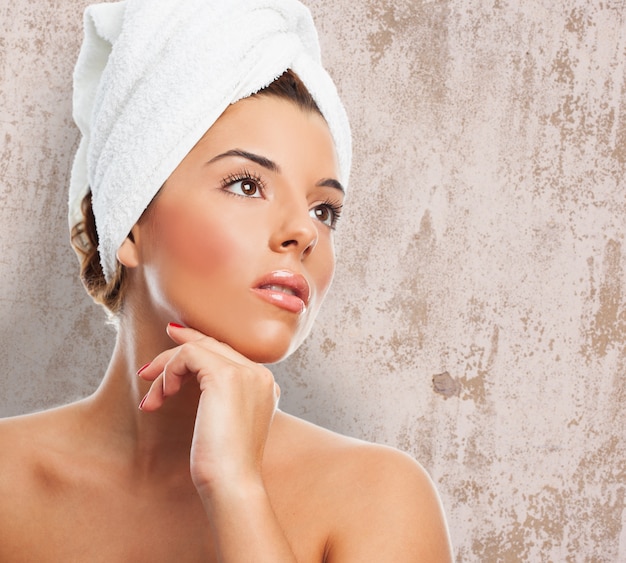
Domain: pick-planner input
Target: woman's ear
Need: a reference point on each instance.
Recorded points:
(128, 253)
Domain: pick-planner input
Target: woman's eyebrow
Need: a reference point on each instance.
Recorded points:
(273, 167)
(258, 159)
(331, 183)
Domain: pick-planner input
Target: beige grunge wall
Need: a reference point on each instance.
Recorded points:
(478, 318)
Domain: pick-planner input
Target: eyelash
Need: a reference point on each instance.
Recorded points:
(334, 207)
(241, 176)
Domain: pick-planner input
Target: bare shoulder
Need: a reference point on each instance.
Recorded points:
(22, 434)
(19, 436)
(382, 503)
(354, 463)
(32, 451)
(390, 493)
(28, 444)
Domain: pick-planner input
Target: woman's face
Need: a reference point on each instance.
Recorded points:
(239, 242)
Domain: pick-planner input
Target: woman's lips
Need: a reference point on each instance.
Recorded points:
(284, 289)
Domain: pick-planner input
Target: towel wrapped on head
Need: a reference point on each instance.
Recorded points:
(152, 76)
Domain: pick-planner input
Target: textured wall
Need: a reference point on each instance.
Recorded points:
(478, 318)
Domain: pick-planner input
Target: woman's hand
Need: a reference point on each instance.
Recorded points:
(237, 403)
(238, 399)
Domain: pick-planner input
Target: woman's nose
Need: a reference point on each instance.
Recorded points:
(296, 232)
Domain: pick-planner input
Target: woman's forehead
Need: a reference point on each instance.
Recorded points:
(267, 123)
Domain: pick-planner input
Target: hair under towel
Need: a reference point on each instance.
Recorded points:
(151, 78)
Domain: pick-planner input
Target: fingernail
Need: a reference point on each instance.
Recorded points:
(142, 368)
(143, 401)
(176, 325)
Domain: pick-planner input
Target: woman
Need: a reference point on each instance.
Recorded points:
(202, 204)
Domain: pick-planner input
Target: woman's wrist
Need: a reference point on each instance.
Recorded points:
(243, 522)
(229, 488)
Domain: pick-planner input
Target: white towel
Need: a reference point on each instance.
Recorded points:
(153, 75)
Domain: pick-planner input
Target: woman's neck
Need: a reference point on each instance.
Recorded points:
(154, 443)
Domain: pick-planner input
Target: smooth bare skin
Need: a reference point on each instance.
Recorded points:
(209, 470)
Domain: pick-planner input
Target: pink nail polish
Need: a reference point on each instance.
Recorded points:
(142, 368)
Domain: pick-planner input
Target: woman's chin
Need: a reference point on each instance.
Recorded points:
(268, 354)
(268, 351)
(262, 343)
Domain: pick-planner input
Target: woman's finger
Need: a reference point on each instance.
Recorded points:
(179, 367)
(182, 335)
(154, 398)
(153, 369)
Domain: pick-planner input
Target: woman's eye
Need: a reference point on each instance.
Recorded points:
(246, 187)
(324, 214)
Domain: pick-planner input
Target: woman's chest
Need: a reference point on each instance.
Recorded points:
(86, 524)
(93, 523)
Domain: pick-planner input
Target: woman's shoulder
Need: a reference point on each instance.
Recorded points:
(365, 487)
(37, 475)
(23, 431)
(351, 458)
(30, 443)
(23, 466)
(18, 434)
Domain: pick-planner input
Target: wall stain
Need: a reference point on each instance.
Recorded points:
(608, 326)
(468, 491)
(447, 386)
(475, 387)
(562, 68)
(619, 148)
(579, 20)
(409, 302)
(398, 32)
(328, 346)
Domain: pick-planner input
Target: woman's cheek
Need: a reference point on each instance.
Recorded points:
(193, 243)
(326, 271)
